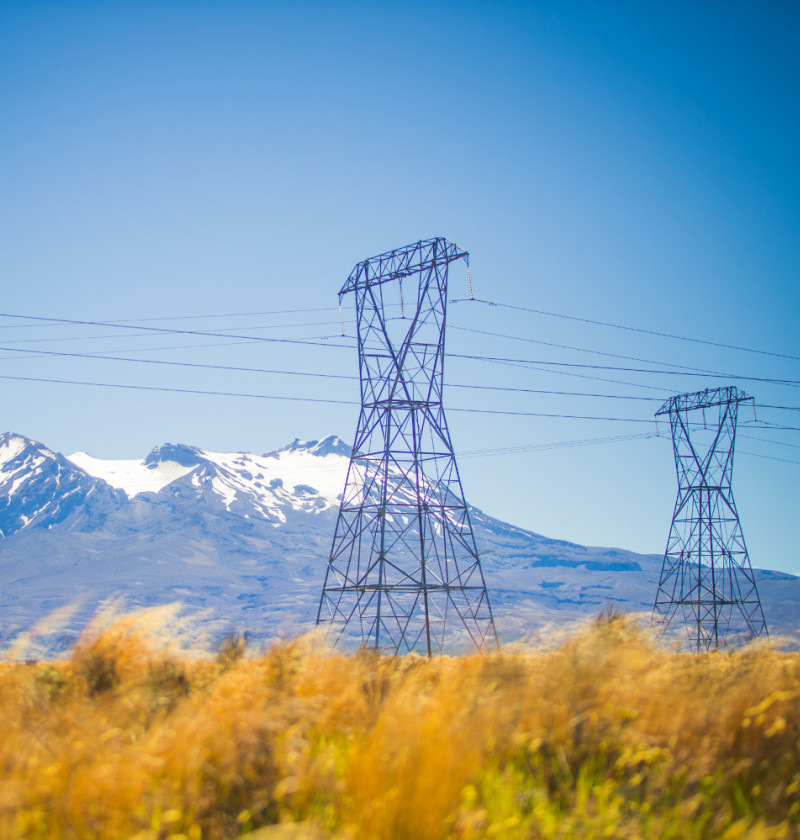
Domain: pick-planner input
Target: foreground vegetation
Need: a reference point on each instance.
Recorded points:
(599, 736)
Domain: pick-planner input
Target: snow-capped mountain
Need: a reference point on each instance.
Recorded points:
(245, 538)
(40, 488)
(250, 485)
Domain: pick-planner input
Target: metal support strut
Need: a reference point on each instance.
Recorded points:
(706, 577)
(404, 573)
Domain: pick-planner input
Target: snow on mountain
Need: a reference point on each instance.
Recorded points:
(305, 476)
(244, 540)
(133, 477)
(41, 488)
(302, 476)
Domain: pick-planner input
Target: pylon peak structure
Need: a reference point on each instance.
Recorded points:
(404, 573)
(706, 578)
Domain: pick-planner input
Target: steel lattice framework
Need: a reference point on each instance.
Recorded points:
(706, 576)
(404, 565)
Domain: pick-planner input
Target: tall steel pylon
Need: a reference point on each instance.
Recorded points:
(706, 576)
(404, 566)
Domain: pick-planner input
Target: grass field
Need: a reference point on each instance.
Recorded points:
(599, 735)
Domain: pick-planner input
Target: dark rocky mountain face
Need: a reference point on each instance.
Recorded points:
(41, 489)
(243, 540)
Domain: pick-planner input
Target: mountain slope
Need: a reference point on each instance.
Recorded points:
(244, 538)
(40, 488)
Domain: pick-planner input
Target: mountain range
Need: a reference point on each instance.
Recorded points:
(242, 540)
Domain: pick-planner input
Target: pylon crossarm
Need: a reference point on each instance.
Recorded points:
(402, 263)
(709, 398)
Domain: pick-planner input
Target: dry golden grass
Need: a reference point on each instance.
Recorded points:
(602, 736)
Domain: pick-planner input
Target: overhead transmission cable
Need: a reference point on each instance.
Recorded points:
(295, 398)
(629, 328)
(54, 322)
(168, 331)
(319, 375)
(474, 357)
(204, 366)
(241, 339)
(776, 442)
(170, 390)
(789, 382)
(585, 350)
(768, 457)
(34, 354)
(516, 362)
(563, 444)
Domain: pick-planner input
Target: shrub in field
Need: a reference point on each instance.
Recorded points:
(600, 735)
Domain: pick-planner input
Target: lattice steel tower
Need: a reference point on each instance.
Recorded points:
(404, 566)
(706, 577)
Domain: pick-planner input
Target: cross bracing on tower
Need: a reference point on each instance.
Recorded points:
(706, 581)
(404, 572)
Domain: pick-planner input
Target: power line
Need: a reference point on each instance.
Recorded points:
(562, 444)
(629, 329)
(245, 341)
(242, 369)
(89, 338)
(294, 398)
(583, 349)
(55, 322)
(235, 368)
(124, 322)
(546, 392)
(775, 442)
(568, 444)
(768, 457)
(226, 315)
(771, 427)
(516, 362)
(500, 359)
(164, 330)
(164, 389)
(543, 414)
(574, 375)
(274, 371)
(580, 365)
(496, 359)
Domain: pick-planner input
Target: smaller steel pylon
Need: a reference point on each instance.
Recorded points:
(706, 578)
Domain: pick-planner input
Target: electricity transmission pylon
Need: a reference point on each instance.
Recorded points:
(404, 566)
(706, 577)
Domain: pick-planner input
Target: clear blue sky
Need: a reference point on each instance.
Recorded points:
(630, 163)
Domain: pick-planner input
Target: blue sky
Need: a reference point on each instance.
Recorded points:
(627, 163)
